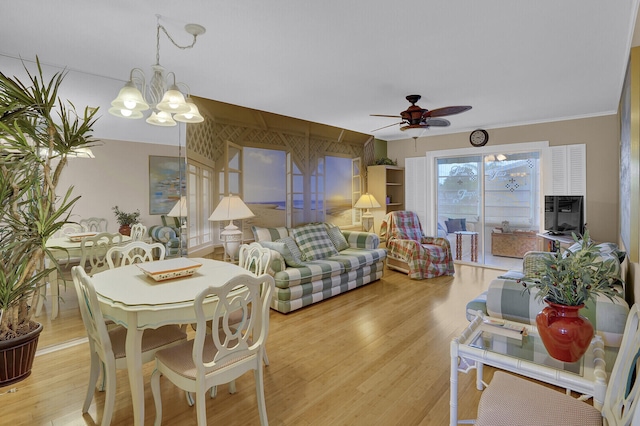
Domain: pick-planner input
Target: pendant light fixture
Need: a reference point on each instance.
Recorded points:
(163, 95)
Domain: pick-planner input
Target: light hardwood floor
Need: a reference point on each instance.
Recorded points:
(377, 355)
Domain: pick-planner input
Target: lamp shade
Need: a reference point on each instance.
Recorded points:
(130, 98)
(173, 101)
(367, 201)
(180, 209)
(125, 113)
(161, 118)
(230, 208)
(191, 116)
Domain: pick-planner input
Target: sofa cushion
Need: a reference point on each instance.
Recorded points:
(456, 225)
(336, 237)
(312, 271)
(347, 260)
(314, 241)
(269, 234)
(353, 258)
(283, 248)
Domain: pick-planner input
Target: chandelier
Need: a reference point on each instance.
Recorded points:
(162, 94)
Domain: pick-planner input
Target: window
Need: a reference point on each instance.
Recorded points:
(264, 185)
(200, 185)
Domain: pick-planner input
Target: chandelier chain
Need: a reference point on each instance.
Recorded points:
(161, 27)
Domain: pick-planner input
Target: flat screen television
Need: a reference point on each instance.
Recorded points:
(564, 214)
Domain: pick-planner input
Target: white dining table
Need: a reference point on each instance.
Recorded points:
(130, 298)
(63, 248)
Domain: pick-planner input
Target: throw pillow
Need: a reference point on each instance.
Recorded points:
(268, 234)
(337, 238)
(314, 241)
(283, 247)
(456, 225)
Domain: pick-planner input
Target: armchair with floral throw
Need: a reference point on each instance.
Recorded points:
(410, 251)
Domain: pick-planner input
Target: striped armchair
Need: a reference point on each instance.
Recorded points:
(410, 251)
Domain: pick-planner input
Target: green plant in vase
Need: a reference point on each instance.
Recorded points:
(125, 220)
(568, 279)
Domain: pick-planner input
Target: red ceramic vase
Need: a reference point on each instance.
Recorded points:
(565, 333)
(125, 230)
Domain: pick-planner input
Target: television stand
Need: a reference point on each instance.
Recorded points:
(553, 242)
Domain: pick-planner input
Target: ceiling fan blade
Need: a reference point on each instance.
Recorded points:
(394, 124)
(450, 110)
(383, 115)
(437, 122)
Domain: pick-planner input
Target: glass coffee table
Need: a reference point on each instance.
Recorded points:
(481, 344)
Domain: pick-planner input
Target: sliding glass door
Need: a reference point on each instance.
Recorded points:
(488, 205)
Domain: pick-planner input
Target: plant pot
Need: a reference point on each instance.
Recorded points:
(125, 230)
(565, 333)
(16, 357)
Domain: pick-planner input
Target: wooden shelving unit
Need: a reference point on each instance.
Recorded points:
(386, 184)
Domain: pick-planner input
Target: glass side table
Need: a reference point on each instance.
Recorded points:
(478, 346)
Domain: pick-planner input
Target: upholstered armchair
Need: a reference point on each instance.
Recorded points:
(412, 252)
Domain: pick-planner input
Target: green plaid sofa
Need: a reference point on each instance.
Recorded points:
(505, 299)
(310, 265)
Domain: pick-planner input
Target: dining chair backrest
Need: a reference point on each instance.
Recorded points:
(255, 258)
(234, 344)
(138, 232)
(94, 224)
(134, 252)
(92, 318)
(66, 229)
(107, 345)
(220, 357)
(622, 398)
(94, 251)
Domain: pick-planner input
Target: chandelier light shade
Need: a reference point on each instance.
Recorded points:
(231, 208)
(191, 116)
(162, 94)
(161, 118)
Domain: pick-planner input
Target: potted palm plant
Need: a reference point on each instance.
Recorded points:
(38, 132)
(568, 279)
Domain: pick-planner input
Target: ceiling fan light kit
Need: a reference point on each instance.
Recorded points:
(165, 99)
(415, 120)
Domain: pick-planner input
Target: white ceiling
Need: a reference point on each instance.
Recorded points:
(335, 61)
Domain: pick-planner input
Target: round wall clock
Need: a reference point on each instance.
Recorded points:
(479, 137)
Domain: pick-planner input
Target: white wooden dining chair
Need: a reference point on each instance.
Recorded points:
(216, 358)
(94, 224)
(511, 400)
(138, 232)
(134, 252)
(107, 346)
(94, 251)
(257, 259)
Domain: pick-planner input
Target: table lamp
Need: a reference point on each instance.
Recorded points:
(180, 209)
(231, 208)
(367, 201)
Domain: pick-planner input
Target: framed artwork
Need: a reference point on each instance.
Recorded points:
(167, 181)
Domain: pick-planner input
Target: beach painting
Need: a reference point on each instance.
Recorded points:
(167, 181)
(265, 189)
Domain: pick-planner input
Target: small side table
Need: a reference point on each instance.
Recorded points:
(474, 244)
